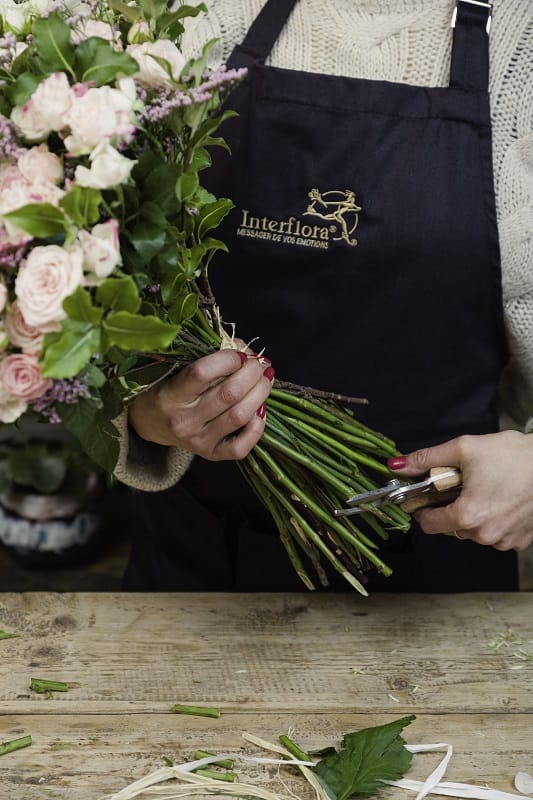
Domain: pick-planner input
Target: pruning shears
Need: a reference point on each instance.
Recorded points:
(440, 487)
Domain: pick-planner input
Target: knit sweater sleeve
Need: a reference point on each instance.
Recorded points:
(147, 466)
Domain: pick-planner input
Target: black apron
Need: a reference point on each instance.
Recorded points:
(363, 254)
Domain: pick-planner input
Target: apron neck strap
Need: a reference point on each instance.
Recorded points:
(470, 51)
(263, 33)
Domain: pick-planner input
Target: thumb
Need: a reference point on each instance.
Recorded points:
(420, 461)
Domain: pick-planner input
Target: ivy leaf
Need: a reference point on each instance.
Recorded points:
(368, 757)
(138, 333)
(147, 239)
(42, 220)
(69, 351)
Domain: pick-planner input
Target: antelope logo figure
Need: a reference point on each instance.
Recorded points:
(337, 206)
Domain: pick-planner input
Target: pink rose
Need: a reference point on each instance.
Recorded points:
(22, 335)
(46, 110)
(40, 164)
(101, 252)
(20, 376)
(49, 275)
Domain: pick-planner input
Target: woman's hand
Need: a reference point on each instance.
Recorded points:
(495, 506)
(214, 407)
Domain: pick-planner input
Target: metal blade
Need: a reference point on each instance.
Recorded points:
(375, 494)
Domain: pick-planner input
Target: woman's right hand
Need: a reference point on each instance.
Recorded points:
(213, 407)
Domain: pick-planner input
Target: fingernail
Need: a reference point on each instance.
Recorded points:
(261, 411)
(265, 361)
(242, 356)
(397, 463)
(269, 373)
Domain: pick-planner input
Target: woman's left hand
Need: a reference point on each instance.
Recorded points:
(495, 506)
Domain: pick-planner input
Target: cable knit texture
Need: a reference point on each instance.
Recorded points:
(406, 41)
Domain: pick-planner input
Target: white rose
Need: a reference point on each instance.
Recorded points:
(11, 408)
(100, 247)
(40, 192)
(151, 74)
(92, 27)
(31, 123)
(108, 168)
(3, 296)
(49, 275)
(15, 15)
(40, 163)
(14, 193)
(96, 115)
(52, 100)
(139, 32)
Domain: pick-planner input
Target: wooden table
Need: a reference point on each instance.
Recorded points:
(322, 665)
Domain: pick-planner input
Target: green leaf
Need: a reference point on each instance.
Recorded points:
(22, 89)
(183, 309)
(147, 239)
(67, 352)
(119, 294)
(368, 757)
(79, 306)
(212, 215)
(131, 13)
(160, 187)
(134, 332)
(186, 185)
(84, 419)
(82, 206)
(42, 220)
(96, 61)
(51, 41)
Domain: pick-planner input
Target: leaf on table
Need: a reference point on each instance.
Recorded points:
(367, 758)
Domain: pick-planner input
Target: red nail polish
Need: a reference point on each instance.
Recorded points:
(261, 411)
(242, 356)
(269, 373)
(397, 463)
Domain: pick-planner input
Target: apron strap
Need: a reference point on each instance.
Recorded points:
(470, 51)
(262, 34)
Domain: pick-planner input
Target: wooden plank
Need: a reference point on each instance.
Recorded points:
(82, 757)
(308, 652)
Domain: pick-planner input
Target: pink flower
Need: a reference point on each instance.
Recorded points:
(47, 108)
(20, 377)
(39, 163)
(49, 275)
(101, 252)
(22, 335)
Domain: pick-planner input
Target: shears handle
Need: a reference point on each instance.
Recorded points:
(441, 493)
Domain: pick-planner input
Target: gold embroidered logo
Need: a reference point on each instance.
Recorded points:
(338, 208)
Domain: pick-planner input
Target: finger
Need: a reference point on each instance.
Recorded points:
(196, 378)
(448, 454)
(232, 403)
(439, 520)
(237, 446)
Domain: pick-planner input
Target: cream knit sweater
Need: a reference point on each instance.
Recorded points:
(405, 41)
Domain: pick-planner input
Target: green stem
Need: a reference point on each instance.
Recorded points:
(293, 749)
(196, 711)
(319, 512)
(229, 777)
(15, 744)
(42, 685)
(6, 635)
(225, 763)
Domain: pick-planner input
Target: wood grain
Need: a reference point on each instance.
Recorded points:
(321, 664)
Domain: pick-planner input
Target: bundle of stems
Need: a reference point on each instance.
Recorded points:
(313, 455)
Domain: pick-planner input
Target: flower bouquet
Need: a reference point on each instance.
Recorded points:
(106, 236)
